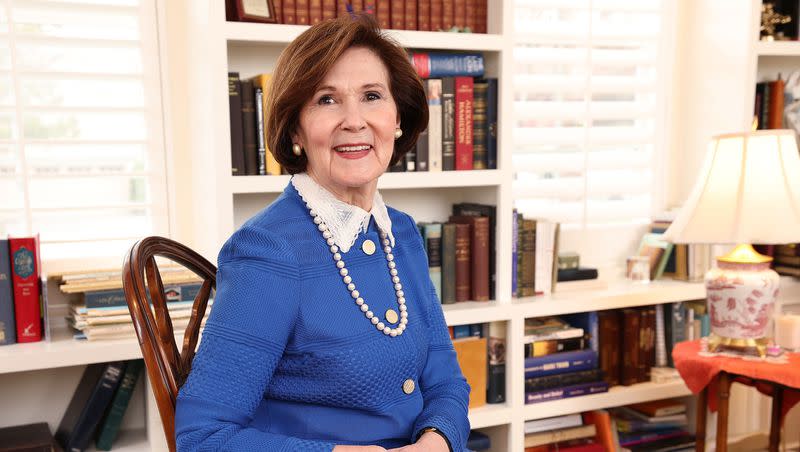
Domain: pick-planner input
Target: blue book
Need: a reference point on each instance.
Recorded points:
(116, 297)
(478, 441)
(595, 387)
(559, 363)
(476, 329)
(460, 331)
(437, 65)
(588, 321)
(8, 329)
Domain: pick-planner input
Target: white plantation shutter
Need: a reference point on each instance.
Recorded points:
(81, 140)
(587, 110)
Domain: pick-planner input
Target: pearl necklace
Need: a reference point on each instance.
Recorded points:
(351, 286)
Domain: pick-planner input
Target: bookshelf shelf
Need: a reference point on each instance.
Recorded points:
(389, 181)
(616, 396)
(778, 48)
(618, 295)
(241, 32)
(467, 312)
(490, 415)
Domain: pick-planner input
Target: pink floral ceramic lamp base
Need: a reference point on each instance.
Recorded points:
(741, 297)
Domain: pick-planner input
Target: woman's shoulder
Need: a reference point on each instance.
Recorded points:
(268, 234)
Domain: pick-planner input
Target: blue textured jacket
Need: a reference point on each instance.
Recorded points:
(288, 362)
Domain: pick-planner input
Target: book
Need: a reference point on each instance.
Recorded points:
(448, 14)
(437, 65)
(553, 423)
(566, 379)
(548, 347)
(471, 354)
(398, 14)
(8, 326)
(526, 257)
(27, 438)
(630, 344)
(25, 267)
(235, 113)
(422, 154)
(609, 330)
(261, 144)
(589, 323)
(434, 93)
(514, 252)
(433, 243)
(479, 254)
(436, 15)
(249, 126)
(566, 392)
(464, 123)
(480, 125)
(116, 297)
(491, 120)
(555, 436)
(109, 427)
(477, 441)
(496, 379)
(560, 363)
(88, 403)
(448, 263)
(657, 408)
(490, 211)
(463, 261)
(627, 413)
(577, 274)
(271, 165)
(411, 15)
(657, 250)
(448, 124)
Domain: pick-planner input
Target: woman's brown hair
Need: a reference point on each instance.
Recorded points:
(303, 65)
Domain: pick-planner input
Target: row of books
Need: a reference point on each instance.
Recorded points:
(461, 253)
(769, 102)
(422, 15)
(481, 352)
(99, 311)
(786, 258)
(462, 124)
(21, 318)
(658, 425)
(97, 406)
(686, 262)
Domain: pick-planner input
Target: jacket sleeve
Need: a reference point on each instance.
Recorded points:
(445, 391)
(251, 320)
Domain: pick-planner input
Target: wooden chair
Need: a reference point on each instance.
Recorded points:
(167, 368)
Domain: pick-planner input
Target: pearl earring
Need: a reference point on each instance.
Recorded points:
(398, 132)
(297, 150)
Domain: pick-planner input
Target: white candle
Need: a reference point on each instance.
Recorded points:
(787, 331)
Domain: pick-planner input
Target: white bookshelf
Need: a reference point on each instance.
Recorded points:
(778, 48)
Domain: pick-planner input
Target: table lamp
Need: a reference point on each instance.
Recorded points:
(747, 192)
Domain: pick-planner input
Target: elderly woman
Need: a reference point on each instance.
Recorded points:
(326, 333)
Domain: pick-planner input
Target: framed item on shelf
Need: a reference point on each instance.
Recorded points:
(256, 11)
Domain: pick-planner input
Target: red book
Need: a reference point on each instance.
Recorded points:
(436, 15)
(464, 99)
(301, 12)
(471, 15)
(463, 261)
(482, 19)
(460, 14)
(424, 15)
(479, 255)
(315, 11)
(411, 15)
(289, 16)
(328, 9)
(24, 252)
(448, 14)
(398, 13)
(279, 10)
(383, 12)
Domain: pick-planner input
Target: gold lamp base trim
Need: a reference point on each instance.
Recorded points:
(744, 254)
(716, 342)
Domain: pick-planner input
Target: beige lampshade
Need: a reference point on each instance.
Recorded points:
(747, 192)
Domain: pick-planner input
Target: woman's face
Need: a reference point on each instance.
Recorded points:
(347, 127)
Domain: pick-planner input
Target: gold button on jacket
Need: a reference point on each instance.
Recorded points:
(368, 247)
(408, 386)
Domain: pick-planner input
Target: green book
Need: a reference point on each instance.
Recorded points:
(657, 250)
(109, 427)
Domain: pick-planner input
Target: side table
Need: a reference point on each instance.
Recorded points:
(711, 379)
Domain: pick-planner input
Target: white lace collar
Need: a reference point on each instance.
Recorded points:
(345, 221)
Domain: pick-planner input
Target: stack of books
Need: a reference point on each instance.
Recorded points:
(559, 361)
(99, 311)
(659, 425)
(587, 432)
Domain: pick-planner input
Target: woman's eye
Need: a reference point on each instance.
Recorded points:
(373, 96)
(324, 100)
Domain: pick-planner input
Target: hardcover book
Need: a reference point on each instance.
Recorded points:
(436, 15)
(496, 385)
(448, 263)
(8, 327)
(480, 125)
(479, 255)
(398, 13)
(463, 261)
(249, 127)
(448, 124)
(90, 400)
(471, 354)
(424, 15)
(24, 253)
(439, 65)
(491, 120)
(464, 123)
(434, 93)
(433, 242)
(560, 363)
(560, 380)
(566, 392)
(483, 210)
(27, 438)
(109, 428)
(411, 15)
(235, 113)
(610, 343)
